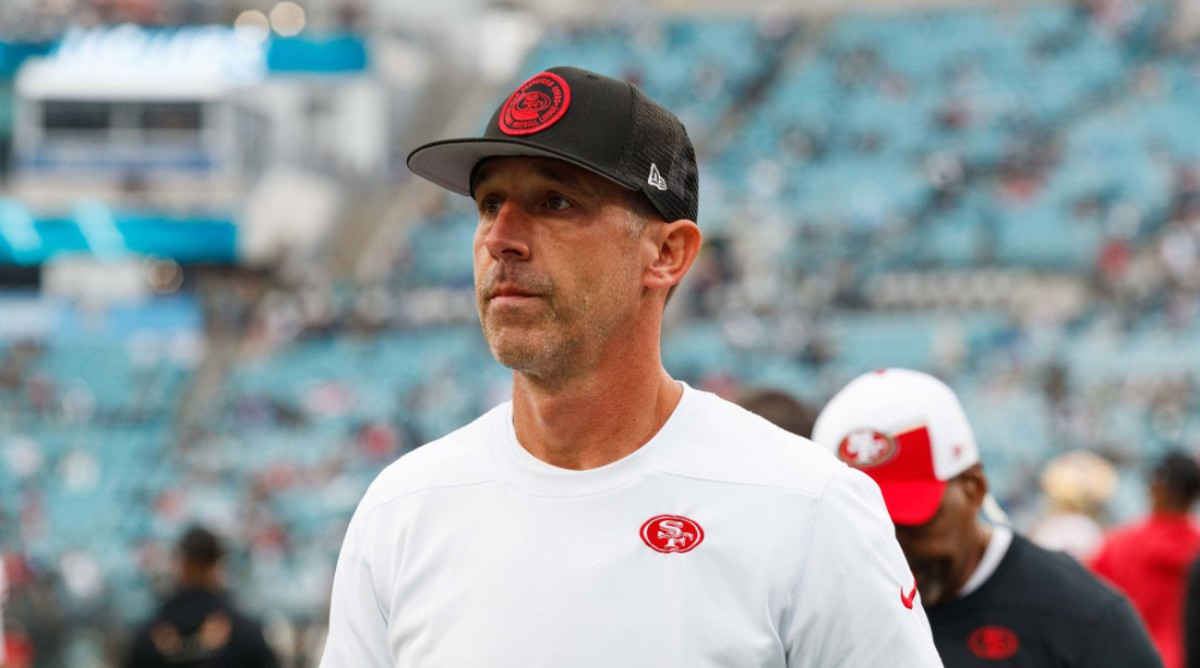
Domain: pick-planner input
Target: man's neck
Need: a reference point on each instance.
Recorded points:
(983, 537)
(594, 419)
(206, 580)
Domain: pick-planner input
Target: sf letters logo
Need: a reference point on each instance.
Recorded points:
(866, 448)
(671, 534)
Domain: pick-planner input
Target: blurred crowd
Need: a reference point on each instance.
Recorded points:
(274, 462)
(43, 20)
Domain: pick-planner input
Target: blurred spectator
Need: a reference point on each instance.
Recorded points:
(33, 617)
(990, 594)
(778, 408)
(199, 625)
(1149, 560)
(3, 596)
(1191, 618)
(1077, 487)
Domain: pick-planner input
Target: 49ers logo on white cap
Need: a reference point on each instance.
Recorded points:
(866, 448)
(671, 533)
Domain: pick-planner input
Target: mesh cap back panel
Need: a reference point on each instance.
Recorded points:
(658, 138)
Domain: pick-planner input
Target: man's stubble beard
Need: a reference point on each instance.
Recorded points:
(561, 343)
(530, 347)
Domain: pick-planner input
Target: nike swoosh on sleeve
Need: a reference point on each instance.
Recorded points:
(907, 599)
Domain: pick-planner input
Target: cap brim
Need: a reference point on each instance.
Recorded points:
(912, 502)
(450, 163)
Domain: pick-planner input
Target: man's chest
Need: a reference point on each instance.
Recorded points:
(1006, 638)
(622, 579)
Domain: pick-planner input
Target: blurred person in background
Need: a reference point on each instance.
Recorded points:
(991, 595)
(33, 614)
(779, 408)
(3, 598)
(1077, 485)
(199, 626)
(1149, 560)
(1191, 618)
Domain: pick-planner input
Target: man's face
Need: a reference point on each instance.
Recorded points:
(558, 263)
(944, 551)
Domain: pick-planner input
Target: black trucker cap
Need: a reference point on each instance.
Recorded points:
(602, 124)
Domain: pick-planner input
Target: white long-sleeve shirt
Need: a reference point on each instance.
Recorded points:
(724, 541)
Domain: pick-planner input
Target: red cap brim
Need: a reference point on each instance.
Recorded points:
(912, 502)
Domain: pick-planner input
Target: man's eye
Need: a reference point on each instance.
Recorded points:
(557, 203)
(489, 206)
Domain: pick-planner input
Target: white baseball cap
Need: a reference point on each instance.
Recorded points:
(905, 429)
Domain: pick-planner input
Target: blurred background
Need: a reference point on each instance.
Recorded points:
(223, 298)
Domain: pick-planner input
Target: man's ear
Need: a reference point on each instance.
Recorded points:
(675, 247)
(975, 485)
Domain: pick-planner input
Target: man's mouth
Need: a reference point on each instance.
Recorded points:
(512, 292)
(511, 296)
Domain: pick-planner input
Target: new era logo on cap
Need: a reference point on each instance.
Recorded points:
(656, 179)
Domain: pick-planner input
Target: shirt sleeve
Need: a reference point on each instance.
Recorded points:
(357, 622)
(1120, 640)
(852, 604)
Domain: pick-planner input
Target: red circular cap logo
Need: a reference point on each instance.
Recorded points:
(536, 105)
(671, 533)
(865, 448)
(993, 642)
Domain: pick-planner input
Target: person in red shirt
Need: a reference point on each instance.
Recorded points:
(1149, 560)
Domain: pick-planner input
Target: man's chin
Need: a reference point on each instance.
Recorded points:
(518, 355)
(525, 362)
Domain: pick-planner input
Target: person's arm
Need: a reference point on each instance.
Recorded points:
(142, 653)
(1191, 628)
(357, 621)
(264, 656)
(1118, 639)
(856, 604)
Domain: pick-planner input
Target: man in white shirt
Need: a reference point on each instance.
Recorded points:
(608, 516)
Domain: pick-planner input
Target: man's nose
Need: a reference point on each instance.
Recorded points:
(508, 237)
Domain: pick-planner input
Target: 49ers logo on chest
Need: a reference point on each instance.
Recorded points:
(671, 533)
(993, 642)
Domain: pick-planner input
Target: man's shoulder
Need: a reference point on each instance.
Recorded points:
(461, 457)
(732, 445)
(1051, 578)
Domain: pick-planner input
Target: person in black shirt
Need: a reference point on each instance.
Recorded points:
(1040, 608)
(992, 597)
(199, 627)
